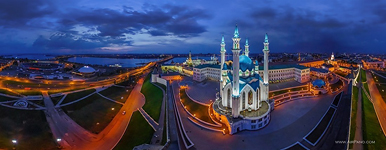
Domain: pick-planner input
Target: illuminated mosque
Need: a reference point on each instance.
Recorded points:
(243, 102)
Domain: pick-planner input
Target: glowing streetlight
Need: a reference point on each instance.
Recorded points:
(14, 141)
(58, 139)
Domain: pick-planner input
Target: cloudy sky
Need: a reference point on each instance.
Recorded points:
(154, 26)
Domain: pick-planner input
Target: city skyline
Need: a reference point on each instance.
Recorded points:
(82, 27)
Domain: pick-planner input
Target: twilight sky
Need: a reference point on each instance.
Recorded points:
(154, 26)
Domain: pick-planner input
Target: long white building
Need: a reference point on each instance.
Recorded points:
(277, 73)
(207, 71)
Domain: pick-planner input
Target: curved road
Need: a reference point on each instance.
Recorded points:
(378, 102)
(75, 137)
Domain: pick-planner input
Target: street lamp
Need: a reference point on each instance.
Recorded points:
(58, 139)
(14, 143)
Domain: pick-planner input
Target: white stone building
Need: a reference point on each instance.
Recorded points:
(277, 73)
(207, 71)
(282, 73)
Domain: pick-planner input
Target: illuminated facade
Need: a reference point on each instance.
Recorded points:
(243, 101)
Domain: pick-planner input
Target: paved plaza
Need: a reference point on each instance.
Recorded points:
(283, 85)
(201, 91)
(290, 122)
(205, 91)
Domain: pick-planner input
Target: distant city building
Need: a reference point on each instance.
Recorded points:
(207, 71)
(178, 68)
(317, 63)
(374, 64)
(86, 71)
(280, 73)
(319, 72)
(195, 62)
(328, 67)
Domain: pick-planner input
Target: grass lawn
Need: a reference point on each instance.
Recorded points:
(382, 73)
(336, 85)
(77, 95)
(130, 82)
(154, 98)
(161, 85)
(164, 136)
(138, 132)
(296, 147)
(3, 99)
(116, 93)
(39, 102)
(363, 72)
(286, 91)
(91, 111)
(56, 99)
(28, 127)
(379, 79)
(4, 91)
(371, 129)
(366, 87)
(201, 111)
(64, 90)
(26, 84)
(353, 114)
(337, 99)
(28, 92)
(380, 88)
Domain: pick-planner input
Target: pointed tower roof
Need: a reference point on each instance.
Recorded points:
(246, 42)
(266, 38)
(222, 40)
(224, 66)
(236, 35)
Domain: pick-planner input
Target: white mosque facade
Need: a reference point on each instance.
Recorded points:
(243, 102)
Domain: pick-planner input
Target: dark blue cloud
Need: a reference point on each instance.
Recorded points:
(21, 13)
(175, 27)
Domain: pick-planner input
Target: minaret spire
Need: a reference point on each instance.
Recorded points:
(246, 48)
(222, 51)
(236, 34)
(190, 62)
(236, 68)
(265, 76)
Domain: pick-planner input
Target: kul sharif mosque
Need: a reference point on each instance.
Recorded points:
(243, 103)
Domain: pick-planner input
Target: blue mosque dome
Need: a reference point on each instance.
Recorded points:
(224, 66)
(318, 83)
(246, 63)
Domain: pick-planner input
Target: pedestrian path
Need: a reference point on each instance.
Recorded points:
(149, 119)
(157, 139)
(110, 99)
(358, 129)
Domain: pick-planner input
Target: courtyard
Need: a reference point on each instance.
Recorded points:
(289, 123)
